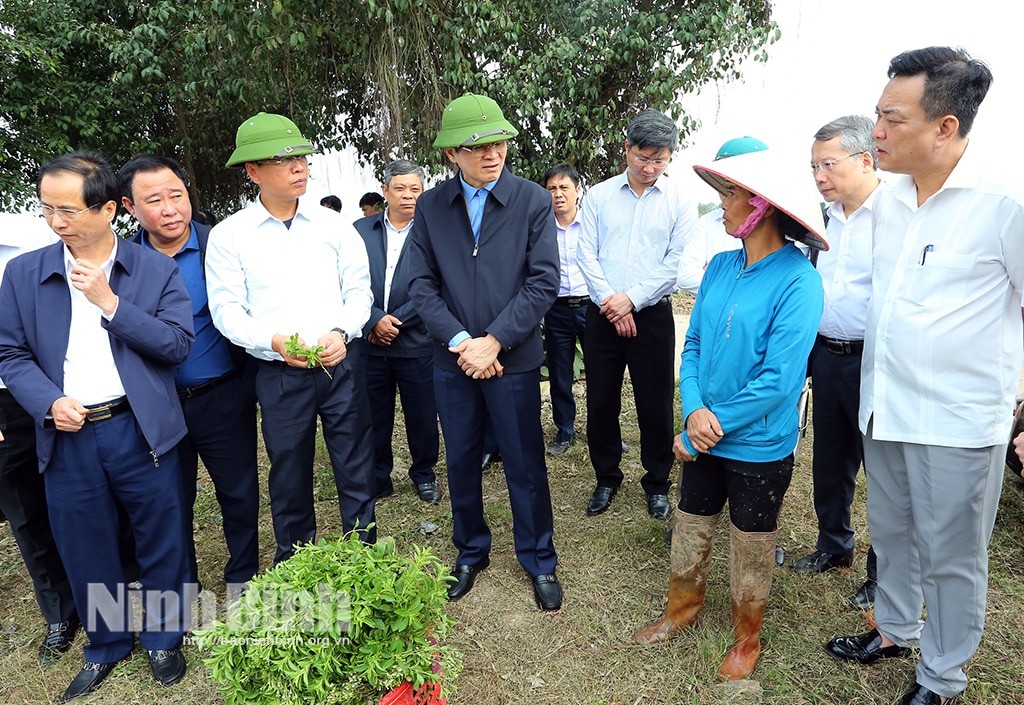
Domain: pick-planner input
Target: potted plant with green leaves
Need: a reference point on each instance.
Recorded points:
(339, 623)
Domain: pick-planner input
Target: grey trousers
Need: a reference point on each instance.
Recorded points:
(930, 512)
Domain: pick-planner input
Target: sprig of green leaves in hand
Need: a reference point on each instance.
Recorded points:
(312, 354)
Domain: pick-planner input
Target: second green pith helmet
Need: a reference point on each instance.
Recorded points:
(473, 119)
(265, 136)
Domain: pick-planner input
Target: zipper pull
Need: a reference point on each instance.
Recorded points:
(476, 248)
(156, 458)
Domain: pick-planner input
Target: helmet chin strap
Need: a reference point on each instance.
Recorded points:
(761, 206)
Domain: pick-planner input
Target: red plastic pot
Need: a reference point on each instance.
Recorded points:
(426, 694)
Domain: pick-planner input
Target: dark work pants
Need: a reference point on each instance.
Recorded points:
(105, 463)
(291, 400)
(222, 431)
(23, 502)
(562, 326)
(413, 377)
(513, 403)
(649, 357)
(754, 491)
(838, 444)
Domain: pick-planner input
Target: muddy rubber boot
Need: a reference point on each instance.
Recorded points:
(752, 562)
(692, 538)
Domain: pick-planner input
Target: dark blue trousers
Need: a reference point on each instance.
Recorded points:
(652, 368)
(838, 444)
(563, 325)
(413, 377)
(513, 403)
(222, 431)
(291, 401)
(23, 502)
(106, 462)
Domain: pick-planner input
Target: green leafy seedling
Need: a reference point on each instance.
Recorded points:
(312, 354)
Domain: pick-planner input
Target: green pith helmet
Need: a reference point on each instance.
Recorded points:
(265, 136)
(473, 119)
(740, 145)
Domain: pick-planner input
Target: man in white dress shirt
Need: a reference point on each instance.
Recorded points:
(284, 266)
(844, 167)
(942, 354)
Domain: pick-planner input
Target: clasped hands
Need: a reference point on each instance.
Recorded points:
(618, 309)
(702, 430)
(478, 357)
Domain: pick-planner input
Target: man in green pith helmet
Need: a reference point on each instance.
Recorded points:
(286, 265)
(483, 272)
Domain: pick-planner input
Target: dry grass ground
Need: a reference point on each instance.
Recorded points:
(614, 571)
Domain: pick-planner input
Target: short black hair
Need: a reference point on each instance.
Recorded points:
(955, 83)
(99, 182)
(147, 163)
(332, 202)
(371, 198)
(204, 216)
(565, 170)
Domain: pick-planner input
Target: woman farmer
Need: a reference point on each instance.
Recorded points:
(743, 367)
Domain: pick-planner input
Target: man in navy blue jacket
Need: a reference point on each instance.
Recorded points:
(398, 351)
(218, 397)
(90, 329)
(484, 271)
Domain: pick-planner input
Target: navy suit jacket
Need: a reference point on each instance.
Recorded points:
(412, 340)
(151, 331)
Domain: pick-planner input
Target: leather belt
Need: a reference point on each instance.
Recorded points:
(842, 347)
(200, 389)
(102, 412)
(573, 301)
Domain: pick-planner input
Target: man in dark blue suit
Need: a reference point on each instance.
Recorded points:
(217, 395)
(399, 350)
(90, 329)
(483, 272)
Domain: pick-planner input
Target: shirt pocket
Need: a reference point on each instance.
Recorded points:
(941, 281)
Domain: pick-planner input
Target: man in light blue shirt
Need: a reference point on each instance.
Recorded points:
(633, 230)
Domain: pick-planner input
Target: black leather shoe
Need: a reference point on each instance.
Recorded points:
(386, 492)
(864, 598)
(820, 561)
(57, 641)
(168, 665)
(560, 447)
(465, 576)
(601, 499)
(488, 460)
(429, 492)
(919, 695)
(863, 648)
(547, 592)
(658, 506)
(88, 679)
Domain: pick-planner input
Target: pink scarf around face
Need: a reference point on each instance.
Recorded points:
(747, 226)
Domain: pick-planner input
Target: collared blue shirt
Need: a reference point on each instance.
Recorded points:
(209, 358)
(476, 199)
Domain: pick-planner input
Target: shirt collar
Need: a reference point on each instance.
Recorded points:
(470, 191)
(388, 224)
(107, 265)
(191, 244)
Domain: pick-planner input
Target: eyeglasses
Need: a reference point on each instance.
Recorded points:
(481, 150)
(289, 162)
(827, 165)
(66, 214)
(644, 161)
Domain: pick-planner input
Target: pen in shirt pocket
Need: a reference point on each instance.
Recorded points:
(925, 251)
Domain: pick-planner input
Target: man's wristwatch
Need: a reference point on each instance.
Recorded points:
(344, 336)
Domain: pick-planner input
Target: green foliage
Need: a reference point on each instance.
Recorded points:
(294, 348)
(336, 624)
(177, 78)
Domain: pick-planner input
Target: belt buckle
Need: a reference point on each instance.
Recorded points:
(835, 346)
(100, 413)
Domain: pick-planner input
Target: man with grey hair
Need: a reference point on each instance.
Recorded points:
(399, 352)
(844, 167)
(633, 230)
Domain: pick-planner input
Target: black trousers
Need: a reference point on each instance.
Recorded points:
(649, 358)
(23, 502)
(838, 445)
(754, 491)
(291, 401)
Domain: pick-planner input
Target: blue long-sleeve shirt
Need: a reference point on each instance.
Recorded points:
(746, 351)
